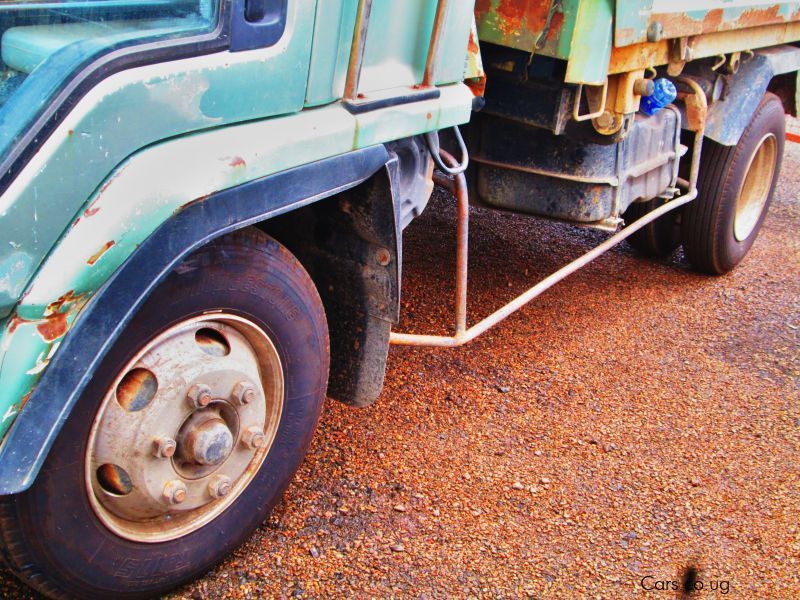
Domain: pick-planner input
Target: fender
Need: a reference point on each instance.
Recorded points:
(158, 181)
(104, 317)
(729, 116)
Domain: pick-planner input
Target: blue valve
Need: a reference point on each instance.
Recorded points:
(663, 94)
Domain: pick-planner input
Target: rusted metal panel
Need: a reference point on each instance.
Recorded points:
(637, 56)
(544, 25)
(655, 20)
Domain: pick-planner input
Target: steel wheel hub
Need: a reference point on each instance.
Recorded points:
(184, 428)
(755, 188)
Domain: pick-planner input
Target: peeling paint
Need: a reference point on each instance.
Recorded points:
(97, 255)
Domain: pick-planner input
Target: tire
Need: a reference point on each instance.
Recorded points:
(659, 238)
(52, 535)
(716, 235)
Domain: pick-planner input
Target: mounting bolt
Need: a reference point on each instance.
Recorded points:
(644, 87)
(164, 447)
(174, 492)
(219, 486)
(254, 438)
(243, 393)
(199, 395)
(605, 121)
(655, 31)
(383, 257)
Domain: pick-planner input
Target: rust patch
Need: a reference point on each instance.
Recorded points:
(681, 24)
(24, 400)
(510, 15)
(64, 301)
(53, 327)
(237, 161)
(713, 20)
(91, 211)
(110, 181)
(96, 256)
(759, 16)
(15, 322)
(556, 24)
(54, 323)
(482, 8)
(477, 86)
(473, 45)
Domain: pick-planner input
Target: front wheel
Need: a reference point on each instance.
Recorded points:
(187, 436)
(735, 188)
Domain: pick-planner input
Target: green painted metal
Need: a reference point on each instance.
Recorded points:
(147, 141)
(333, 36)
(396, 51)
(131, 110)
(591, 43)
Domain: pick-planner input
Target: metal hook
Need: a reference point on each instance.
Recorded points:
(432, 140)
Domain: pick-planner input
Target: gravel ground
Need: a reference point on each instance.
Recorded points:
(637, 420)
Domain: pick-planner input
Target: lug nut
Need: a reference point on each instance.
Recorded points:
(243, 393)
(174, 492)
(219, 487)
(164, 447)
(254, 438)
(199, 395)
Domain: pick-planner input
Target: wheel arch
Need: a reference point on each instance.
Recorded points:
(367, 176)
(770, 69)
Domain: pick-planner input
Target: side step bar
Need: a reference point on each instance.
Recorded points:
(457, 185)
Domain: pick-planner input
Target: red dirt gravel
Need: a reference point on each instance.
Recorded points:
(637, 422)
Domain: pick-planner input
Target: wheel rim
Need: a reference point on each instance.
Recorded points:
(184, 428)
(755, 188)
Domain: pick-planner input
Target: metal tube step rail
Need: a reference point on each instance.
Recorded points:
(457, 185)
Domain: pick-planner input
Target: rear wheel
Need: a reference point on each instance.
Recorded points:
(190, 431)
(658, 238)
(735, 188)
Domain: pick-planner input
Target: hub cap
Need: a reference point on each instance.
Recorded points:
(755, 189)
(184, 428)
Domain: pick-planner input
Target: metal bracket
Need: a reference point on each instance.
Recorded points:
(592, 115)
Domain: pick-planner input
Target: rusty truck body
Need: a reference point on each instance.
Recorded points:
(201, 214)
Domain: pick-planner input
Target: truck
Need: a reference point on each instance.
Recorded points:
(202, 207)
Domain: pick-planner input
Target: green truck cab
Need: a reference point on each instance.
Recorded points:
(201, 216)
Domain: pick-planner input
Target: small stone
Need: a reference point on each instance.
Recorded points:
(397, 547)
(436, 512)
(544, 480)
(537, 452)
(609, 447)
(518, 486)
(467, 476)
(314, 552)
(695, 482)
(503, 389)
(400, 507)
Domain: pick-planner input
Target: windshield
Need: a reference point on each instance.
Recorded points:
(43, 43)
